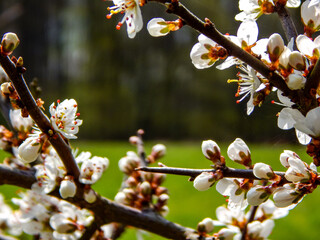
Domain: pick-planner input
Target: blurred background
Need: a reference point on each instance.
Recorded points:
(124, 84)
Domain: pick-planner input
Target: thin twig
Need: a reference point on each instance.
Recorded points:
(227, 172)
(286, 22)
(207, 28)
(62, 148)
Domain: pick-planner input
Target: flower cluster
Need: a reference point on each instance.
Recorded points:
(140, 189)
(231, 223)
(287, 190)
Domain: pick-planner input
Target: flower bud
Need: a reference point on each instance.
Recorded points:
(145, 188)
(226, 234)
(239, 152)
(298, 171)
(164, 210)
(284, 157)
(257, 195)
(130, 193)
(263, 171)
(67, 188)
(211, 151)
(3, 75)
(134, 140)
(121, 198)
(297, 61)
(128, 164)
(10, 41)
(158, 151)
(203, 181)
(6, 88)
(286, 195)
(90, 196)
(296, 81)
(275, 47)
(29, 150)
(158, 27)
(163, 198)
(206, 225)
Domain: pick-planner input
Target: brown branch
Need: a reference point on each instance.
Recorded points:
(227, 172)
(105, 210)
(39, 117)
(16, 177)
(286, 22)
(207, 28)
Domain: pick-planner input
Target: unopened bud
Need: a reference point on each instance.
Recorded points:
(130, 193)
(206, 225)
(239, 152)
(158, 151)
(275, 47)
(211, 151)
(67, 188)
(6, 88)
(164, 210)
(3, 76)
(29, 150)
(121, 198)
(284, 157)
(145, 188)
(19, 62)
(134, 140)
(204, 181)
(226, 234)
(10, 41)
(297, 61)
(286, 195)
(296, 81)
(257, 195)
(163, 198)
(263, 171)
(128, 164)
(90, 196)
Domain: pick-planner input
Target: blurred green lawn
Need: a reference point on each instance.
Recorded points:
(189, 206)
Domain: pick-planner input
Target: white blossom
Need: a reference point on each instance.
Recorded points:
(297, 171)
(203, 181)
(63, 118)
(158, 27)
(92, 169)
(132, 15)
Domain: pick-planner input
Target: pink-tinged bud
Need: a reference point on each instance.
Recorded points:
(211, 151)
(29, 150)
(67, 188)
(10, 41)
(297, 61)
(90, 196)
(158, 151)
(134, 140)
(206, 225)
(286, 195)
(275, 47)
(204, 181)
(296, 81)
(257, 195)
(239, 152)
(263, 171)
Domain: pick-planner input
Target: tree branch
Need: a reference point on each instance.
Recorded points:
(105, 210)
(193, 173)
(207, 28)
(286, 22)
(62, 148)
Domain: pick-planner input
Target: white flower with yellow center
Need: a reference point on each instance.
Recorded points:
(132, 15)
(63, 118)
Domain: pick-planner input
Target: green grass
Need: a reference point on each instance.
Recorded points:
(189, 206)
